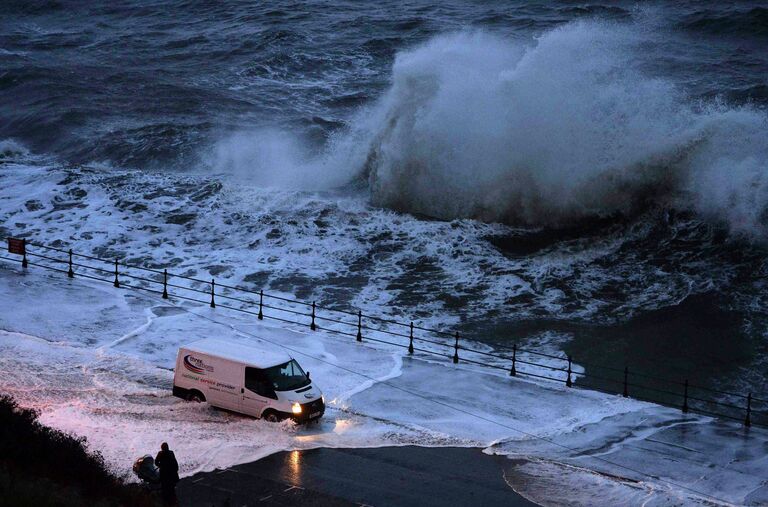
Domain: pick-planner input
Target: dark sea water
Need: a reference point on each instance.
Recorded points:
(150, 84)
(583, 177)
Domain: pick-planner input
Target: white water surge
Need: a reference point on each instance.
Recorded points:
(96, 361)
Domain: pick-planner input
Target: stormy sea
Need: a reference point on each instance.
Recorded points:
(581, 178)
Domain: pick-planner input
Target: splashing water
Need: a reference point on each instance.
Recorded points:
(475, 125)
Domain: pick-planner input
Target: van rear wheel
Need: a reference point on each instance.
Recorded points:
(196, 397)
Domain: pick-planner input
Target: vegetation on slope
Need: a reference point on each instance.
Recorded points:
(42, 466)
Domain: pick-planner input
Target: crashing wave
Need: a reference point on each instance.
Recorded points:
(479, 126)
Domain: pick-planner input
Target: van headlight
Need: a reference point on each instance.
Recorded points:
(296, 408)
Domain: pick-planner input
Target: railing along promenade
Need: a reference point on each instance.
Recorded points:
(447, 344)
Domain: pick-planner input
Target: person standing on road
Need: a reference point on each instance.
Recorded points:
(169, 473)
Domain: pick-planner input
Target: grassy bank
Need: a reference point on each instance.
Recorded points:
(41, 466)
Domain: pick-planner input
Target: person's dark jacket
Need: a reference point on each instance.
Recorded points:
(169, 467)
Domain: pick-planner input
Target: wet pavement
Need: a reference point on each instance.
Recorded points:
(405, 476)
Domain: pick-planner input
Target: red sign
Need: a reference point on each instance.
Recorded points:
(17, 246)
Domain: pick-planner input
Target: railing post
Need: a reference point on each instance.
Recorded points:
(165, 284)
(410, 342)
(685, 398)
(513, 370)
(568, 381)
(456, 349)
(312, 326)
(71, 272)
(117, 282)
(359, 325)
(24, 262)
(261, 303)
(626, 387)
(748, 419)
(213, 287)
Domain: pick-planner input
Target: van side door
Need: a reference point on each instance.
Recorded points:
(258, 392)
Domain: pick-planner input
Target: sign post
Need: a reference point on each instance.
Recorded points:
(19, 247)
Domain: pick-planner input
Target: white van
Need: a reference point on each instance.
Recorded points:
(246, 379)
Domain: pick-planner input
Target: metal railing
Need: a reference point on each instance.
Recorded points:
(515, 360)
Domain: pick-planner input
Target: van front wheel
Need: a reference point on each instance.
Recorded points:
(271, 416)
(196, 397)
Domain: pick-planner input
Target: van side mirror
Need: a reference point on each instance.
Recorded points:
(307, 375)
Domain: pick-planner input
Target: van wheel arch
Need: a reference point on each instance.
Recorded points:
(196, 396)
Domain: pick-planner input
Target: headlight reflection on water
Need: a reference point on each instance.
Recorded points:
(294, 467)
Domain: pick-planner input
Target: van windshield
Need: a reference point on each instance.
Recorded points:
(287, 376)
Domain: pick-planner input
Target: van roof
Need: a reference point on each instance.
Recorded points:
(239, 352)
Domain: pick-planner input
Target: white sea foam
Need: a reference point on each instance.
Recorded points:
(288, 242)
